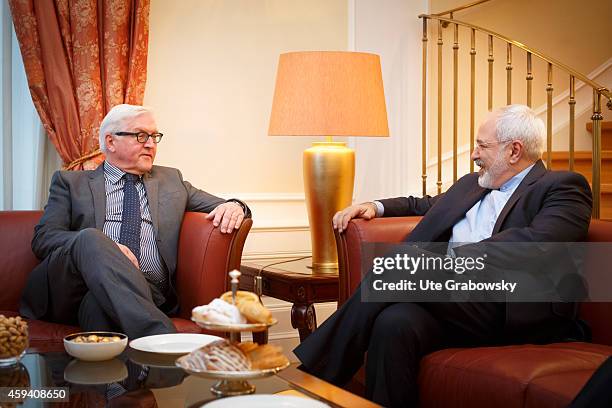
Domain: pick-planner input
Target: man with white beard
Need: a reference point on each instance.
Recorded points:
(513, 198)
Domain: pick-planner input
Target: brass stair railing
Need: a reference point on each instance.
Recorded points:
(460, 8)
(599, 91)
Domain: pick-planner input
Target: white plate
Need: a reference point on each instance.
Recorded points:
(174, 343)
(266, 401)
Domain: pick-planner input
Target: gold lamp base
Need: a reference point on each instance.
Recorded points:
(329, 173)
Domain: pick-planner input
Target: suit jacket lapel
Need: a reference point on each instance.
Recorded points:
(151, 186)
(463, 203)
(96, 184)
(458, 203)
(536, 172)
(471, 198)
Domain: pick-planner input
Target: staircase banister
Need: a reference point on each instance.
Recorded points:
(459, 8)
(602, 90)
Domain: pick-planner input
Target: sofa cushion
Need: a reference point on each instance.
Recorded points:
(556, 390)
(44, 336)
(17, 259)
(185, 326)
(509, 376)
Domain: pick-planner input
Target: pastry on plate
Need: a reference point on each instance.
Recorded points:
(218, 312)
(250, 307)
(219, 355)
(263, 357)
(247, 346)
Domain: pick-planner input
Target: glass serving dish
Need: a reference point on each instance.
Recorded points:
(236, 327)
(13, 340)
(9, 360)
(231, 382)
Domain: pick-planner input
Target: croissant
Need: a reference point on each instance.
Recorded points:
(248, 304)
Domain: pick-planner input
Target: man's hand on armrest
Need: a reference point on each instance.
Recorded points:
(365, 210)
(227, 216)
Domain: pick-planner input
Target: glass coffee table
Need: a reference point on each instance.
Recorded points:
(136, 378)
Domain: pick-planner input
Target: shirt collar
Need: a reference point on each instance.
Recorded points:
(511, 184)
(113, 173)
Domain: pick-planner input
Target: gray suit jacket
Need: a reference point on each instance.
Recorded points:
(77, 200)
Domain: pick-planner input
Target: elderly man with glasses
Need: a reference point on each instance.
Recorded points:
(108, 238)
(512, 199)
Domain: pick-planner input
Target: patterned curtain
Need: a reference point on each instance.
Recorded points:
(82, 57)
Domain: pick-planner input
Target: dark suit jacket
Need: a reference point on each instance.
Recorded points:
(77, 200)
(547, 206)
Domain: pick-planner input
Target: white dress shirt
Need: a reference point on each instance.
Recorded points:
(479, 221)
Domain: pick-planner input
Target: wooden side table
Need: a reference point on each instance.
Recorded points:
(293, 281)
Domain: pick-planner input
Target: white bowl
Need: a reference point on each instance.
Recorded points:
(95, 351)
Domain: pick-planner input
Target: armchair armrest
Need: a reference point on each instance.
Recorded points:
(358, 231)
(205, 255)
(17, 258)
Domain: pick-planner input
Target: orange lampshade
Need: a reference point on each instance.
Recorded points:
(329, 93)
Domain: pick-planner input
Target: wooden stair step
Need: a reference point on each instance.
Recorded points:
(606, 188)
(578, 155)
(583, 163)
(606, 201)
(605, 126)
(606, 133)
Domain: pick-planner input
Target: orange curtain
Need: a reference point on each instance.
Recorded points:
(82, 57)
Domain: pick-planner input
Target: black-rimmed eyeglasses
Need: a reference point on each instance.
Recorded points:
(142, 137)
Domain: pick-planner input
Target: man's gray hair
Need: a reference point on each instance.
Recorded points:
(519, 122)
(115, 120)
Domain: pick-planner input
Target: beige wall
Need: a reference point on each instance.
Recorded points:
(212, 67)
(569, 31)
(388, 167)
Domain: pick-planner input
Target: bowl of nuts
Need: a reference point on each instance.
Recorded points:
(13, 339)
(95, 346)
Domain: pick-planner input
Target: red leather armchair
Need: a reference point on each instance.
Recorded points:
(527, 375)
(204, 258)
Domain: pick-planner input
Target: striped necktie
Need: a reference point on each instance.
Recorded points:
(130, 218)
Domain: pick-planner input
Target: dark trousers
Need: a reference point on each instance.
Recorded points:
(597, 392)
(93, 283)
(395, 336)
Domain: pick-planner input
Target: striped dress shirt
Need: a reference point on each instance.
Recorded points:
(150, 261)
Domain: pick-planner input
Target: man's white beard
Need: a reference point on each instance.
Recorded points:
(487, 179)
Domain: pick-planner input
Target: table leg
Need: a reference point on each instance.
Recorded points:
(304, 319)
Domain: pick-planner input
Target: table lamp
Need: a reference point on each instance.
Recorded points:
(328, 93)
